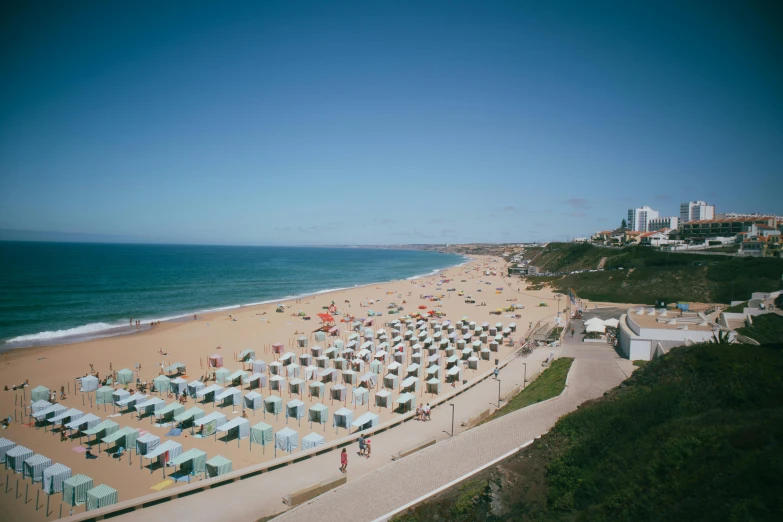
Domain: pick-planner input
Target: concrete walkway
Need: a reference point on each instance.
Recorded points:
(404, 481)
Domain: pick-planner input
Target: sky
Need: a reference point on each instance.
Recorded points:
(310, 123)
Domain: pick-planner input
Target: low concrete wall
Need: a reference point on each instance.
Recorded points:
(303, 495)
(416, 447)
(478, 417)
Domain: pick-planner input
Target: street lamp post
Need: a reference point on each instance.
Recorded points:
(498, 393)
(524, 379)
(452, 419)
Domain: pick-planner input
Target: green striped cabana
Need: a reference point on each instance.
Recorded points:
(102, 430)
(124, 376)
(261, 434)
(53, 478)
(186, 418)
(125, 437)
(221, 375)
(34, 466)
(5, 445)
(191, 462)
(104, 394)
(162, 384)
(318, 413)
(168, 412)
(75, 490)
(40, 393)
(101, 496)
(247, 355)
(15, 457)
(218, 465)
(146, 443)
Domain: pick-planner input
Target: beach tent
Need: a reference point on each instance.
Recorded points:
(103, 395)
(254, 401)
(53, 478)
(169, 412)
(318, 413)
(312, 440)
(162, 384)
(210, 422)
(493, 346)
(89, 383)
(361, 396)
(414, 370)
(278, 348)
(177, 367)
(454, 374)
(258, 367)
(294, 409)
(273, 405)
(467, 352)
(118, 395)
(301, 342)
(383, 398)
(276, 383)
(310, 372)
(295, 386)
(125, 437)
(102, 430)
(376, 367)
(406, 402)
(473, 363)
(67, 416)
(192, 462)
(410, 384)
(188, 417)
(331, 352)
(132, 400)
(215, 361)
(229, 397)
(612, 323)
(286, 440)
(101, 496)
(433, 371)
(338, 392)
(394, 368)
(217, 466)
(275, 368)
(433, 359)
(288, 358)
(51, 411)
(75, 490)
(247, 355)
(365, 421)
(485, 353)
(149, 406)
(261, 434)
(368, 380)
(416, 358)
(322, 361)
(506, 332)
(124, 376)
(147, 443)
(178, 385)
(339, 344)
(84, 423)
(343, 418)
(221, 375)
(15, 457)
(452, 361)
(237, 377)
(39, 405)
(317, 389)
(165, 452)
(316, 351)
(391, 381)
(349, 377)
(327, 375)
(238, 427)
(195, 386)
(39, 393)
(257, 380)
(305, 359)
(209, 392)
(433, 386)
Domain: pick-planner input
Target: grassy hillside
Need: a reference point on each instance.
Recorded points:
(695, 435)
(766, 329)
(649, 274)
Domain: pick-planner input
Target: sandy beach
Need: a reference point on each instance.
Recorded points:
(256, 327)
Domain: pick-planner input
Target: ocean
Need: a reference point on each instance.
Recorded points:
(53, 293)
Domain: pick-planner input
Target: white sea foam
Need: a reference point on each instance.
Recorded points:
(86, 329)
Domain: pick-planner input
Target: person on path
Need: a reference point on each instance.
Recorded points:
(362, 445)
(496, 372)
(572, 332)
(344, 461)
(368, 447)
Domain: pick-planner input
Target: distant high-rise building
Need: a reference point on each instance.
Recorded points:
(662, 223)
(696, 211)
(639, 218)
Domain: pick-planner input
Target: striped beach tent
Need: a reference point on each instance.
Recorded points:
(209, 392)
(261, 434)
(317, 389)
(195, 386)
(188, 417)
(165, 452)
(84, 423)
(383, 398)
(210, 422)
(34, 466)
(192, 461)
(168, 412)
(102, 430)
(15, 457)
(162, 384)
(178, 385)
(365, 421)
(259, 367)
(67, 416)
(124, 376)
(40, 393)
(101, 496)
(229, 397)
(150, 406)
(238, 426)
(75, 490)
(119, 395)
(295, 409)
(39, 405)
(318, 413)
(312, 440)
(342, 418)
(287, 440)
(273, 404)
(247, 355)
(51, 411)
(125, 437)
(53, 478)
(5, 445)
(89, 383)
(217, 466)
(147, 443)
(104, 395)
(254, 401)
(177, 367)
(131, 401)
(257, 380)
(221, 375)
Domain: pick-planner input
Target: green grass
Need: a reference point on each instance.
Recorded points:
(549, 384)
(766, 329)
(737, 309)
(657, 275)
(693, 435)
(640, 364)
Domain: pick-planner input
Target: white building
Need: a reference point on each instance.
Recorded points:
(646, 333)
(662, 223)
(696, 210)
(638, 218)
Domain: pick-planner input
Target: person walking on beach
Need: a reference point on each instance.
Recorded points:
(362, 445)
(343, 461)
(496, 372)
(572, 332)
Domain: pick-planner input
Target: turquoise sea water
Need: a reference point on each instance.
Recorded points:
(63, 292)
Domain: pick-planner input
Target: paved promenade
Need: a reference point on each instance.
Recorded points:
(401, 482)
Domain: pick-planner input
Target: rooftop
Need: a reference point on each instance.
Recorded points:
(663, 319)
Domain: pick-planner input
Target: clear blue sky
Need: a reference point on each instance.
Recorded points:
(383, 122)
